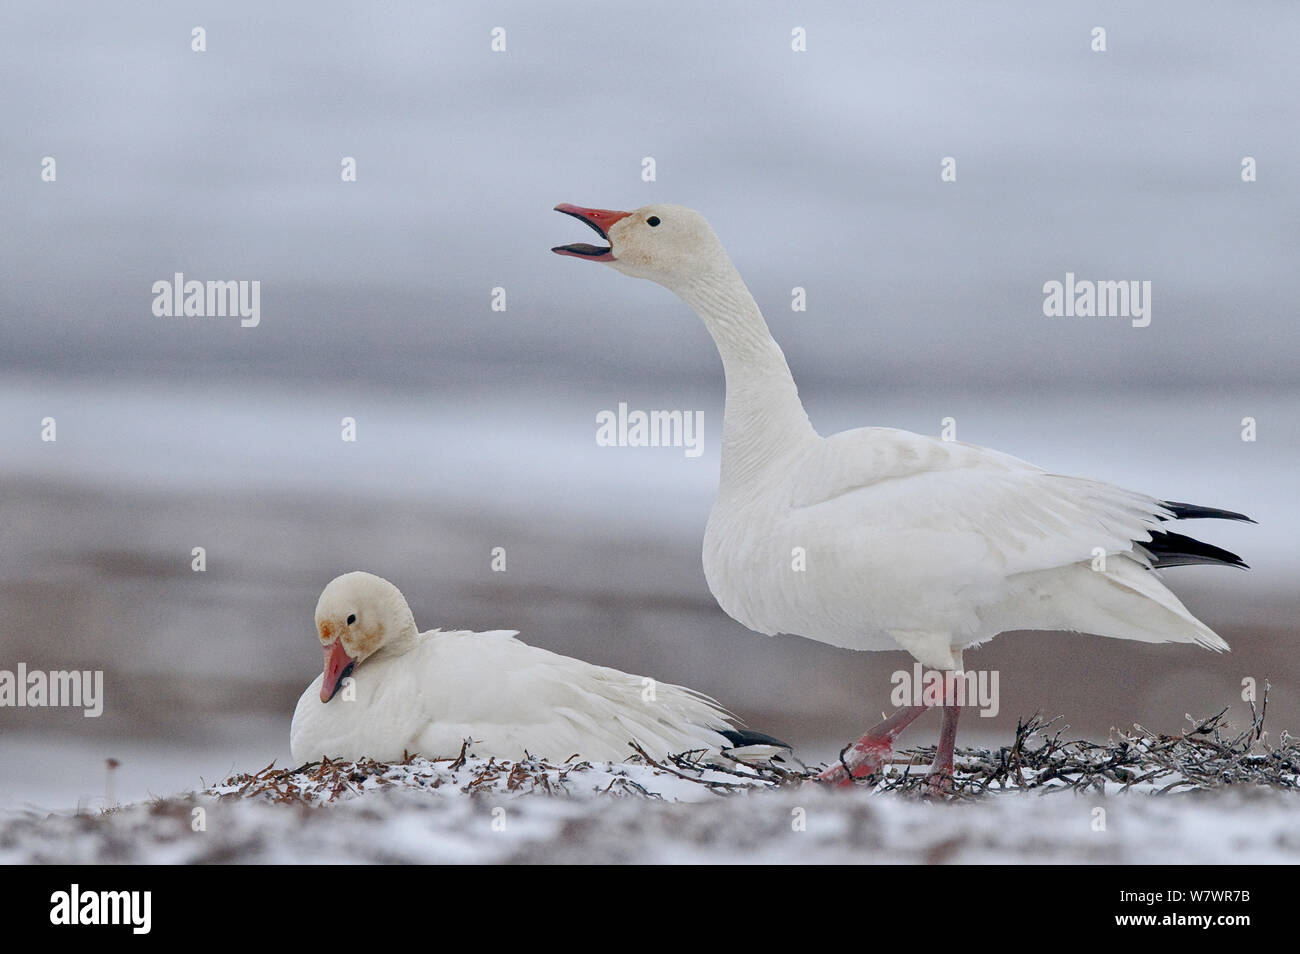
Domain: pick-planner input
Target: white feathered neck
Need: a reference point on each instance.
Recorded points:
(764, 421)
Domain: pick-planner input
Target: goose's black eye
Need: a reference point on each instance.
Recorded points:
(652, 221)
(352, 619)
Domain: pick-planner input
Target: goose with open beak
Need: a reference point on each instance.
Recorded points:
(911, 542)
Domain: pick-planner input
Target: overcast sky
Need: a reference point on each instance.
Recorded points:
(819, 169)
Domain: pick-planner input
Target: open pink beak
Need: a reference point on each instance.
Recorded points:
(338, 666)
(598, 219)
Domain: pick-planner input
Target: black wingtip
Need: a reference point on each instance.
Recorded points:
(742, 737)
(1175, 549)
(1186, 511)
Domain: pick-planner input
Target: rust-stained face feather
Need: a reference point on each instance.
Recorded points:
(346, 645)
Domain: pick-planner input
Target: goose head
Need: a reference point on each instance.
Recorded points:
(357, 615)
(668, 244)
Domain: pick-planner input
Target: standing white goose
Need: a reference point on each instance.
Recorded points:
(425, 693)
(911, 542)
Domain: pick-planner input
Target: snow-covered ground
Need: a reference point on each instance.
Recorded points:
(1198, 796)
(603, 814)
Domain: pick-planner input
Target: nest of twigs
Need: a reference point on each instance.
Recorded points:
(1207, 755)
(331, 780)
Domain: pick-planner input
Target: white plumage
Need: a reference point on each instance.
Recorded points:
(909, 541)
(882, 539)
(424, 693)
(931, 546)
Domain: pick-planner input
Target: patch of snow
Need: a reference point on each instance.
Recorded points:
(479, 811)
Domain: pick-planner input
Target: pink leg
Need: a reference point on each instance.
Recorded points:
(868, 755)
(940, 774)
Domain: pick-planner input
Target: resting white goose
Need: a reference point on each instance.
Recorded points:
(425, 693)
(911, 542)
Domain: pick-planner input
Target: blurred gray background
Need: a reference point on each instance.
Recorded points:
(476, 427)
